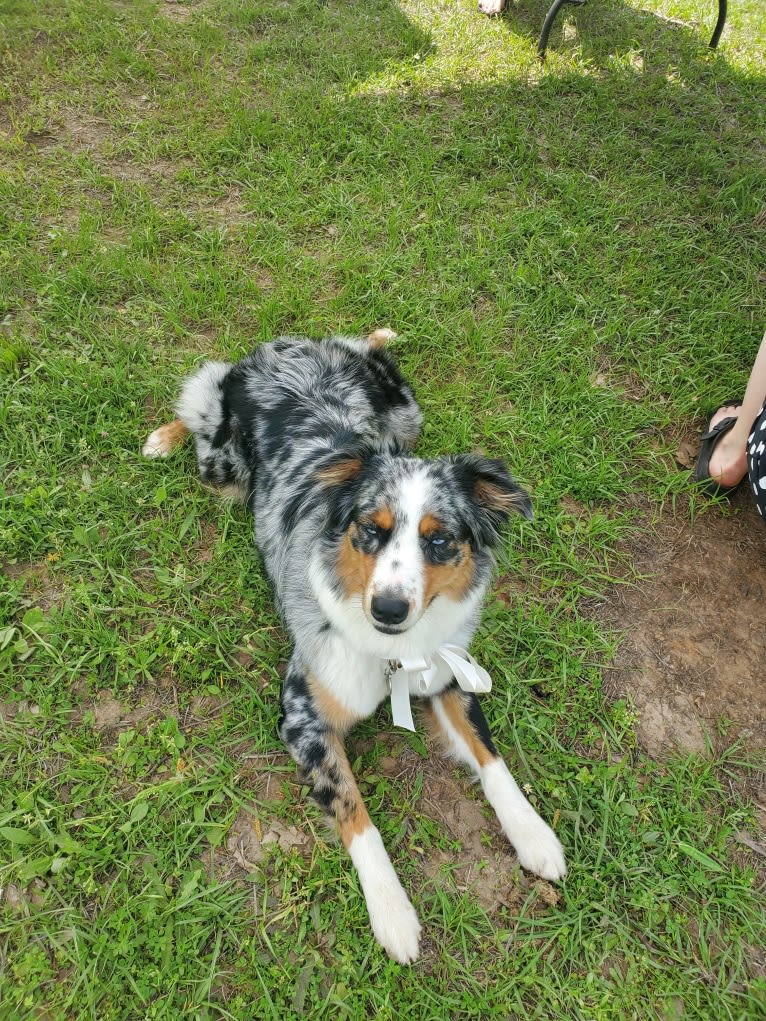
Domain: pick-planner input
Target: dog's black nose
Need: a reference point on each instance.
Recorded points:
(389, 611)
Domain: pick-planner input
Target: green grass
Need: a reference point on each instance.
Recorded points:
(574, 260)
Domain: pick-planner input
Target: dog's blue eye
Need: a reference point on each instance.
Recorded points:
(438, 547)
(371, 531)
(439, 540)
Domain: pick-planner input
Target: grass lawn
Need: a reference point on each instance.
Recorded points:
(575, 262)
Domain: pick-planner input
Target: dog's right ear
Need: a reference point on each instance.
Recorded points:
(345, 462)
(340, 474)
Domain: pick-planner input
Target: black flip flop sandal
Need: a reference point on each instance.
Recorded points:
(709, 442)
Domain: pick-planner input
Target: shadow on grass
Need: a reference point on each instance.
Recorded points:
(652, 150)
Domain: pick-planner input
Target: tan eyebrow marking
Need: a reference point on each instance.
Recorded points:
(383, 518)
(341, 472)
(429, 523)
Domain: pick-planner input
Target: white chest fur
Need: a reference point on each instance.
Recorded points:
(355, 678)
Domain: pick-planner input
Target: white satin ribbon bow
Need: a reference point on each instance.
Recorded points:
(464, 668)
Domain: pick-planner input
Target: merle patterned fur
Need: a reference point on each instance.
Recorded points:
(316, 438)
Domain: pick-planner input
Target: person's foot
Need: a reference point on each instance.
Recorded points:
(728, 462)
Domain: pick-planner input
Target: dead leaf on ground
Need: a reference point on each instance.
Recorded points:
(754, 845)
(286, 836)
(244, 841)
(686, 454)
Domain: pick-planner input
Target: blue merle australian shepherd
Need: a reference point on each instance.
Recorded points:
(378, 559)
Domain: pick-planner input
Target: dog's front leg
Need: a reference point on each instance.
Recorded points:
(459, 722)
(312, 727)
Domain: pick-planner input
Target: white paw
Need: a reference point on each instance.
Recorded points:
(538, 848)
(380, 337)
(392, 917)
(491, 6)
(395, 924)
(165, 439)
(157, 444)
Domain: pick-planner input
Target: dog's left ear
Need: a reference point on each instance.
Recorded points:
(493, 492)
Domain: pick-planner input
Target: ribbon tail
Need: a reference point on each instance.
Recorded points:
(401, 711)
(469, 674)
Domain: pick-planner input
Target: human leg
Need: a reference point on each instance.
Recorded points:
(728, 461)
(756, 461)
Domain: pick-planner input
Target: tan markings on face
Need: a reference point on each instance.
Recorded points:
(430, 523)
(354, 567)
(335, 715)
(451, 580)
(383, 518)
(347, 806)
(455, 706)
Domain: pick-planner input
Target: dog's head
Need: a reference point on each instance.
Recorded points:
(410, 537)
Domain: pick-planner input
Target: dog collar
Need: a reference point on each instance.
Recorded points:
(399, 674)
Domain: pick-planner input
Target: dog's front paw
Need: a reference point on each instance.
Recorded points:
(538, 848)
(491, 6)
(392, 917)
(395, 924)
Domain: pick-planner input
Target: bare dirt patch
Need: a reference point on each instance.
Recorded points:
(41, 587)
(84, 132)
(178, 10)
(224, 209)
(40, 139)
(693, 650)
(158, 175)
(110, 717)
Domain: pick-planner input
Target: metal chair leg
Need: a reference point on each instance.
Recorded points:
(719, 24)
(550, 17)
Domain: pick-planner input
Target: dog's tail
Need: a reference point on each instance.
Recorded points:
(201, 405)
(203, 410)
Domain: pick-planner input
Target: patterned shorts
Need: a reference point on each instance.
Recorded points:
(756, 461)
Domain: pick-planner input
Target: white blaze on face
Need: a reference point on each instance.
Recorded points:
(399, 569)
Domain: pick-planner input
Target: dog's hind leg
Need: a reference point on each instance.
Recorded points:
(312, 727)
(380, 337)
(459, 722)
(164, 440)
(199, 404)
